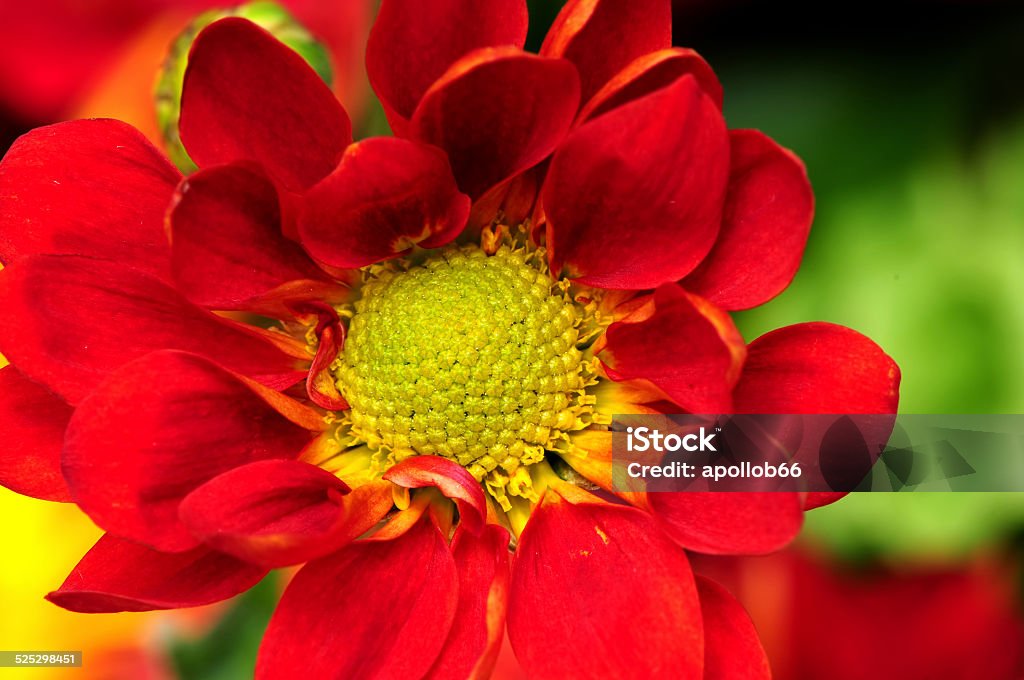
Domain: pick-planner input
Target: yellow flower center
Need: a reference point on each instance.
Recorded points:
(467, 356)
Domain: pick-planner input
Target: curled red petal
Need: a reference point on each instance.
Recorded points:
(472, 647)
(818, 368)
(497, 112)
(684, 346)
(321, 386)
(117, 575)
(385, 197)
(249, 97)
(634, 198)
(450, 478)
(245, 256)
(87, 187)
(650, 73)
(161, 426)
(732, 648)
(273, 513)
(729, 523)
(413, 43)
(602, 36)
(376, 609)
(79, 318)
(32, 424)
(612, 574)
(768, 213)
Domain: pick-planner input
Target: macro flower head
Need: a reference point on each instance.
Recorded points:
(394, 361)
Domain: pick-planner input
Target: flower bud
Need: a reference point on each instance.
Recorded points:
(268, 15)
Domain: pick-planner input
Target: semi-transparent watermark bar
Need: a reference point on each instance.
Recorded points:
(39, 659)
(818, 453)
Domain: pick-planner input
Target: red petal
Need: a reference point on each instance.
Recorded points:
(475, 639)
(160, 427)
(603, 36)
(32, 424)
(275, 513)
(610, 573)
(321, 387)
(78, 319)
(650, 73)
(385, 197)
(86, 187)
(234, 265)
(634, 198)
(248, 97)
(121, 576)
(497, 112)
(768, 214)
(817, 368)
(685, 347)
(732, 649)
(413, 43)
(377, 609)
(450, 478)
(730, 523)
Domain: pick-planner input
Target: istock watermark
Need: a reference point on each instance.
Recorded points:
(644, 439)
(819, 452)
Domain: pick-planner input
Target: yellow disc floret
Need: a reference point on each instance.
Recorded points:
(467, 356)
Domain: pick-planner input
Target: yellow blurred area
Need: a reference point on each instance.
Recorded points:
(42, 543)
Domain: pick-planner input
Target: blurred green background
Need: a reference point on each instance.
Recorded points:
(911, 123)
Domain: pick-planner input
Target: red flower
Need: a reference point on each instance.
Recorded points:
(941, 622)
(54, 53)
(444, 384)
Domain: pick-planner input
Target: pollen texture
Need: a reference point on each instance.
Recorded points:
(468, 356)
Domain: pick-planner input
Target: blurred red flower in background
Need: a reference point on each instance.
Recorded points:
(615, 221)
(66, 58)
(941, 622)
